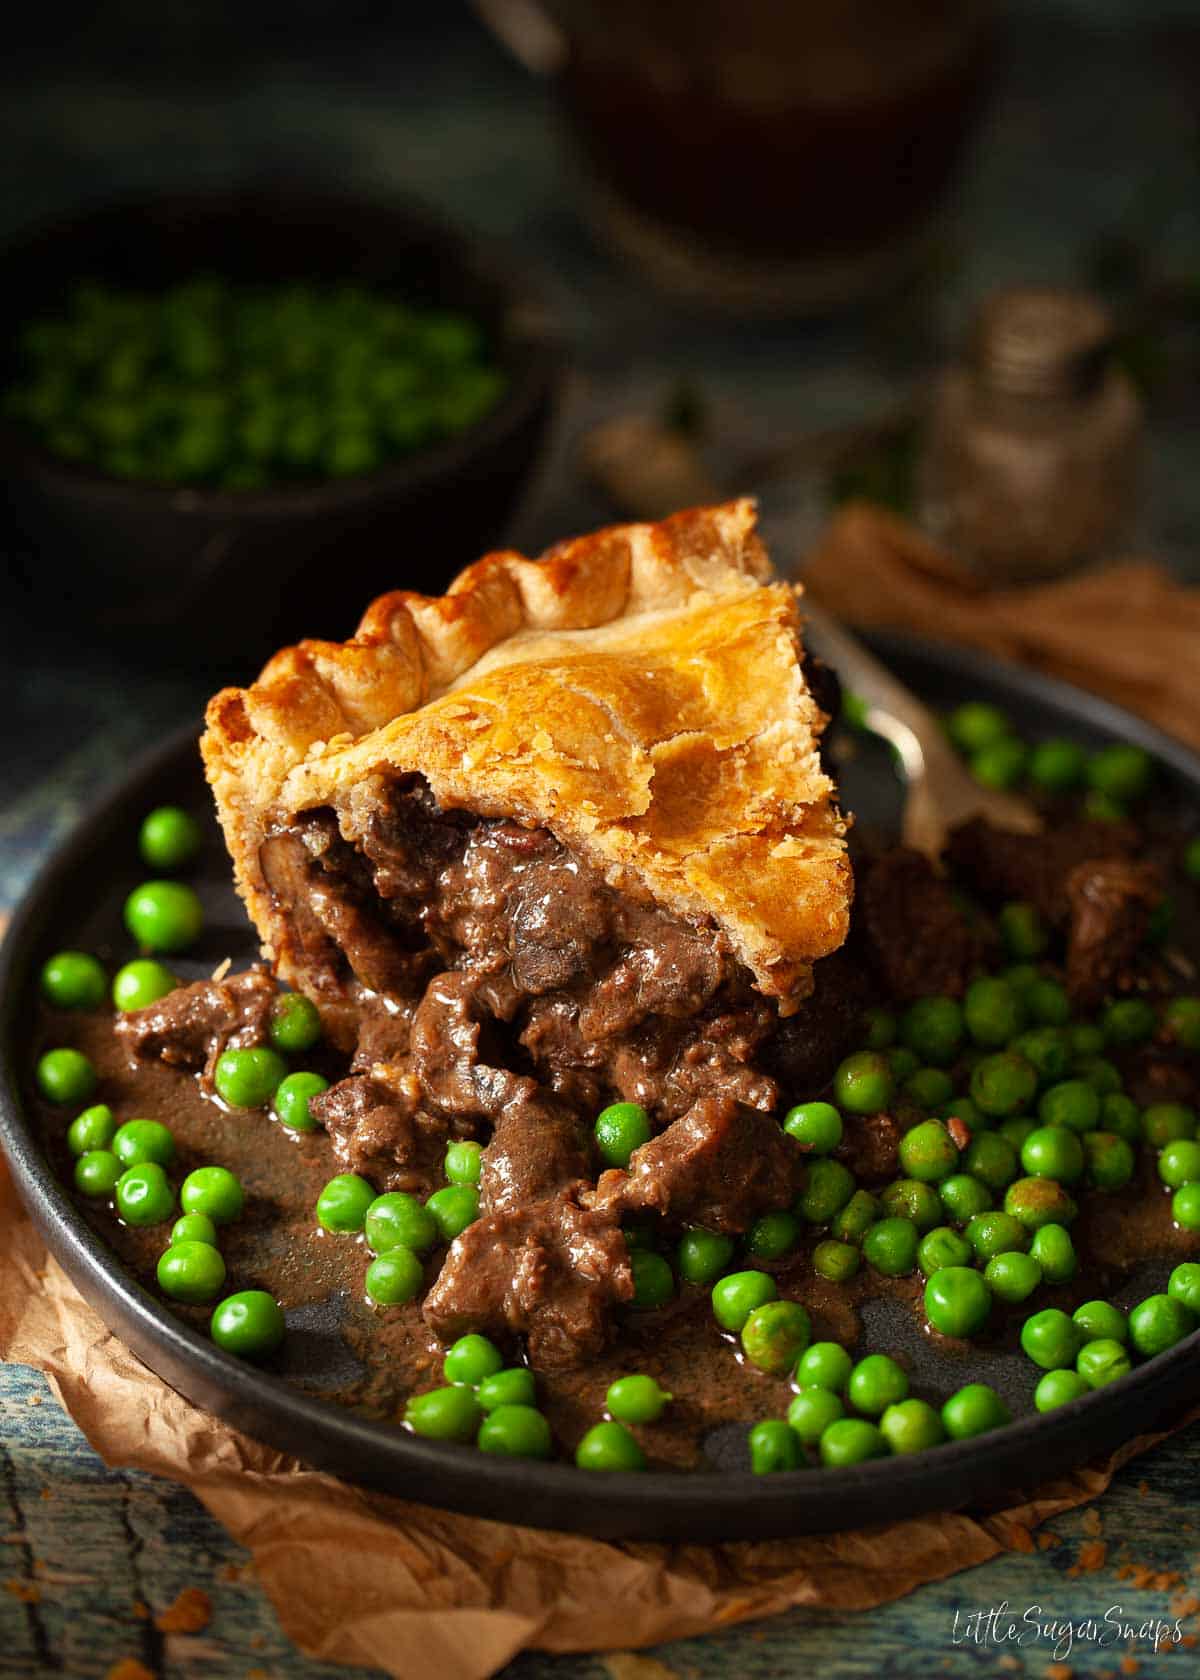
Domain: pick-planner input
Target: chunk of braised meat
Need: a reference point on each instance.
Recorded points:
(1109, 902)
(382, 1131)
(537, 1145)
(806, 1047)
(553, 1272)
(191, 1026)
(870, 1147)
(915, 933)
(720, 1165)
(1001, 865)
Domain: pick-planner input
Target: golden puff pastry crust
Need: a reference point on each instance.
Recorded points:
(637, 692)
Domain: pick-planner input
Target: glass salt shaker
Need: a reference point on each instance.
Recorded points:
(1031, 454)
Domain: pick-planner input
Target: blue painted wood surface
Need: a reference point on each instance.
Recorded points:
(1093, 130)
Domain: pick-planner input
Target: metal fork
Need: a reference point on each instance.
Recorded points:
(940, 791)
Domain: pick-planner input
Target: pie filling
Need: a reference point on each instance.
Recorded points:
(507, 993)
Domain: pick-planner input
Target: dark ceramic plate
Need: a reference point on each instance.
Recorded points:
(62, 909)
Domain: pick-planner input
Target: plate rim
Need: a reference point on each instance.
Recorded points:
(654, 1505)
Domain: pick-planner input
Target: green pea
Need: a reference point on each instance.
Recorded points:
(963, 1197)
(1048, 1051)
(703, 1255)
(1053, 1152)
(470, 1359)
(1051, 1339)
(1047, 1003)
(609, 1446)
(213, 1191)
(1119, 1116)
(942, 1247)
(863, 1083)
(851, 1223)
(1012, 1276)
(249, 1078)
(1129, 1021)
(292, 1097)
(1101, 1361)
(773, 1447)
(957, 1301)
(1003, 1084)
(974, 1410)
(65, 1076)
(621, 1128)
(736, 1296)
(837, 1261)
(97, 1172)
(1121, 772)
(828, 1186)
(929, 1087)
(444, 1414)
(464, 1162)
(95, 1128)
(1054, 1252)
(901, 1062)
(454, 1208)
(908, 1198)
(1015, 1130)
(775, 1335)
(514, 1386)
(879, 1029)
(933, 1029)
(397, 1220)
(143, 1195)
(1158, 1322)
(1072, 1103)
(1021, 976)
(194, 1227)
(876, 1383)
(144, 1140)
(1000, 766)
(1101, 1321)
(169, 838)
(141, 983)
(164, 916)
(249, 1324)
(1179, 1163)
(991, 1159)
(969, 1112)
(851, 1441)
(811, 1412)
(995, 1233)
(1181, 1018)
(636, 1399)
(773, 1235)
(191, 1271)
(394, 1277)
(1058, 1388)
(1162, 1123)
(1023, 931)
(928, 1152)
(653, 1280)
(73, 980)
(515, 1432)
(817, 1126)
(975, 725)
(295, 1024)
(343, 1204)
(1057, 766)
(891, 1247)
(824, 1365)
(993, 1012)
(1086, 1039)
(1184, 1285)
(1099, 1073)
(911, 1426)
(1039, 1201)
(1185, 1207)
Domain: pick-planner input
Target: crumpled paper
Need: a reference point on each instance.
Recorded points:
(1128, 631)
(361, 1578)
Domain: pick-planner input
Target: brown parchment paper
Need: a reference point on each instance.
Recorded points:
(1129, 631)
(364, 1579)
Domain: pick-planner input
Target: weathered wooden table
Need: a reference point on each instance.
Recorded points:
(84, 1547)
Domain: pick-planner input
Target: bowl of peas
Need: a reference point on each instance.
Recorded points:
(216, 411)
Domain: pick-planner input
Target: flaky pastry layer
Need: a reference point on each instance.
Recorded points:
(637, 692)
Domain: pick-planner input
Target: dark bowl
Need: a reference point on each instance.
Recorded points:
(241, 569)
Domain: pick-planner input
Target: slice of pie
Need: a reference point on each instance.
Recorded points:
(559, 837)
